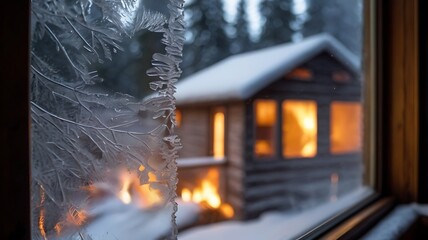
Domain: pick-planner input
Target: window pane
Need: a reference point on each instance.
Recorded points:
(345, 127)
(299, 128)
(265, 112)
(275, 67)
(299, 74)
(103, 146)
(218, 134)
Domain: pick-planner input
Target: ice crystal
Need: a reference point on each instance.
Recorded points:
(81, 132)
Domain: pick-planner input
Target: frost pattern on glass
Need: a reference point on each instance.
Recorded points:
(86, 139)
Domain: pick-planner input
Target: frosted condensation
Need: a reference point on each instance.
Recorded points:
(103, 160)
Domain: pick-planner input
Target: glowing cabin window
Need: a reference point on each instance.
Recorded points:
(299, 128)
(300, 74)
(218, 134)
(345, 127)
(178, 118)
(341, 77)
(265, 117)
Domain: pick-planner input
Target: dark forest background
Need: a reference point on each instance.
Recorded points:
(210, 38)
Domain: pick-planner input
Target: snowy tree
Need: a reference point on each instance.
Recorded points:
(241, 41)
(342, 19)
(207, 42)
(278, 17)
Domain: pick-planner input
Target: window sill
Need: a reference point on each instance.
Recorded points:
(199, 162)
(361, 221)
(280, 225)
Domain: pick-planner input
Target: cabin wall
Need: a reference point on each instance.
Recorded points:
(194, 132)
(300, 183)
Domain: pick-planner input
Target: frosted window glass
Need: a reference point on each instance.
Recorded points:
(103, 147)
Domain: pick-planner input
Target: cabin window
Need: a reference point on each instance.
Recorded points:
(178, 118)
(299, 128)
(300, 74)
(265, 112)
(341, 76)
(218, 134)
(345, 127)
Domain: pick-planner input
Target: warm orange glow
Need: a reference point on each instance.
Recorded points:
(265, 113)
(124, 194)
(227, 210)
(186, 195)
(263, 148)
(341, 76)
(299, 128)
(76, 217)
(141, 168)
(207, 192)
(300, 73)
(58, 228)
(148, 196)
(345, 127)
(178, 118)
(141, 194)
(218, 140)
(152, 177)
(265, 117)
(42, 223)
(42, 214)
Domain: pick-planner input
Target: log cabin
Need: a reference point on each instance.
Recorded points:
(281, 125)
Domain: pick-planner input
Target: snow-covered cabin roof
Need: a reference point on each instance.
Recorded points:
(240, 76)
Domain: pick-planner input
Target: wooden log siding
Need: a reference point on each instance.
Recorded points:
(292, 184)
(194, 132)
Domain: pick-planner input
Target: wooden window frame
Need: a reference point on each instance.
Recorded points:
(395, 103)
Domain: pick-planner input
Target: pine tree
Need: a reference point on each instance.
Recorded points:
(241, 41)
(342, 19)
(278, 17)
(207, 41)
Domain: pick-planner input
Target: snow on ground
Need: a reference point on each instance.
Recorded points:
(275, 225)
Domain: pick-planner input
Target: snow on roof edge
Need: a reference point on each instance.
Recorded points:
(227, 80)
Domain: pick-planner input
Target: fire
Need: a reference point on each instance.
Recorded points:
(133, 191)
(124, 193)
(207, 192)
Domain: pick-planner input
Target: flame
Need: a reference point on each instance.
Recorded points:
(186, 195)
(124, 194)
(299, 128)
(208, 193)
(141, 194)
(227, 210)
